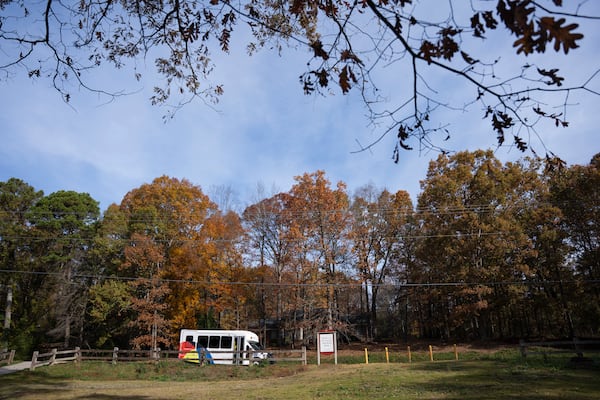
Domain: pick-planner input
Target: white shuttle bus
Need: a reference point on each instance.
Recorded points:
(221, 347)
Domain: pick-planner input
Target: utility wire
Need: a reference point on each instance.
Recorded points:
(457, 235)
(98, 277)
(433, 209)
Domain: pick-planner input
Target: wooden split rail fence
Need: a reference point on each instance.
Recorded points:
(7, 356)
(77, 355)
(53, 357)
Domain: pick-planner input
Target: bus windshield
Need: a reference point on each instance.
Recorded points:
(255, 345)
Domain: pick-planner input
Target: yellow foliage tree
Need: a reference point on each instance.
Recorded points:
(192, 250)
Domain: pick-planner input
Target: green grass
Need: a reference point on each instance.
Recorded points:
(498, 375)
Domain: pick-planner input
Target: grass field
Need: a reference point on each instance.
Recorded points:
(493, 375)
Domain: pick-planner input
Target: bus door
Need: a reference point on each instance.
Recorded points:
(239, 352)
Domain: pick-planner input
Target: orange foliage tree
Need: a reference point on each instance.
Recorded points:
(270, 247)
(320, 222)
(192, 247)
(145, 261)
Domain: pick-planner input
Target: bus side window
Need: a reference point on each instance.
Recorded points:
(203, 341)
(214, 342)
(226, 342)
(190, 339)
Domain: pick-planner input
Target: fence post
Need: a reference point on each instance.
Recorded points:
(52, 357)
(34, 360)
(578, 350)
(366, 356)
(77, 354)
(455, 353)
(523, 348)
(409, 354)
(430, 353)
(304, 362)
(115, 355)
(11, 357)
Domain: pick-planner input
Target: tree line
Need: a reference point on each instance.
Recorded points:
(490, 250)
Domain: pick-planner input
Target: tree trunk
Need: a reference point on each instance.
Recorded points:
(8, 309)
(373, 314)
(67, 329)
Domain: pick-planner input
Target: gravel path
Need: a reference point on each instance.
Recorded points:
(7, 369)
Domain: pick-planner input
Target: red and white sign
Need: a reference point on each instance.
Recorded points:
(326, 345)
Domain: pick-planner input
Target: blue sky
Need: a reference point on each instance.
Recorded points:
(263, 131)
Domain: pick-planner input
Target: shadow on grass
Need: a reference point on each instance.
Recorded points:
(466, 380)
(53, 382)
(18, 384)
(502, 380)
(110, 397)
(39, 384)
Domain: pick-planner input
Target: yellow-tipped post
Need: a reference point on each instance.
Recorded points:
(387, 355)
(409, 354)
(366, 356)
(430, 353)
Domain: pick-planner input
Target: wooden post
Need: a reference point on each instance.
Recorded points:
(304, 362)
(387, 356)
(318, 350)
(34, 360)
(576, 345)
(52, 357)
(430, 353)
(455, 353)
(523, 348)
(409, 354)
(115, 355)
(366, 356)
(77, 355)
(11, 357)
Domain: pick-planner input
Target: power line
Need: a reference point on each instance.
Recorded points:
(213, 240)
(311, 284)
(433, 209)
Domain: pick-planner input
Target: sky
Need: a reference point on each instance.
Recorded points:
(264, 131)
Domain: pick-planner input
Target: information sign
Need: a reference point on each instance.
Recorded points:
(326, 344)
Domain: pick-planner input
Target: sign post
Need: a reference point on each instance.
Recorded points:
(326, 345)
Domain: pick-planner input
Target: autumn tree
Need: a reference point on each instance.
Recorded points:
(471, 244)
(545, 301)
(268, 228)
(186, 256)
(320, 223)
(576, 192)
(378, 232)
(164, 219)
(494, 260)
(351, 47)
(228, 273)
(145, 260)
